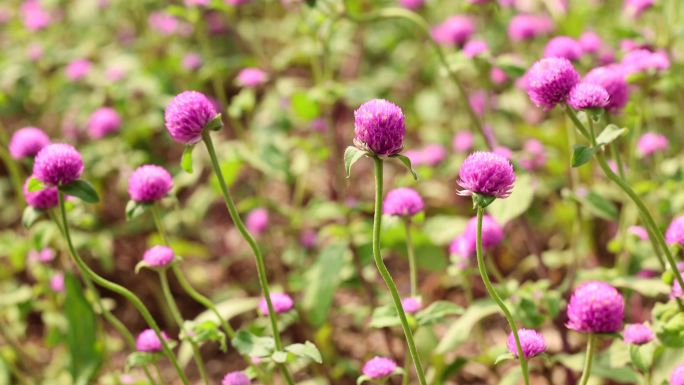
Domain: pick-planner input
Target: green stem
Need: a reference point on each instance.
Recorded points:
(412, 259)
(260, 263)
(495, 296)
(15, 176)
(588, 359)
(377, 223)
(137, 303)
(173, 307)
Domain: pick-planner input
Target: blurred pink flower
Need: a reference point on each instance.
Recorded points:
(251, 77)
(78, 69)
(34, 16)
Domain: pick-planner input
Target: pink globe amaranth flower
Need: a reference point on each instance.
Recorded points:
(651, 142)
(462, 248)
(563, 46)
(166, 24)
(642, 60)
(639, 231)
(236, 378)
(492, 233)
(281, 303)
(475, 48)
(192, 62)
(590, 42)
(27, 142)
(34, 16)
(531, 342)
(114, 74)
(379, 127)
(606, 56)
(675, 231)
(478, 102)
(251, 77)
(257, 221)
(159, 256)
(411, 305)
(149, 183)
(42, 199)
(412, 4)
(454, 31)
(430, 155)
(677, 376)
(58, 164)
(595, 307)
(527, 27)
(103, 122)
(187, 115)
(34, 51)
(504, 151)
(57, 282)
(463, 141)
(45, 255)
(634, 8)
(498, 76)
(585, 96)
(403, 202)
(379, 367)
(550, 80)
(638, 334)
(486, 173)
(612, 79)
(78, 69)
(534, 155)
(308, 239)
(148, 342)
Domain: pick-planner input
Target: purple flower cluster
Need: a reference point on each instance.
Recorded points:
(650, 142)
(643, 60)
(638, 334)
(550, 80)
(379, 367)
(531, 342)
(588, 96)
(411, 4)
(403, 202)
(379, 127)
(236, 378)
(148, 342)
(527, 27)
(187, 115)
(257, 221)
(149, 183)
(612, 79)
(281, 303)
(103, 122)
(486, 173)
(454, 31)
(58, 164)
(78, 69)
(595, 307)
(675, 232)
(564, 47)
(158, 256)
(27, 142)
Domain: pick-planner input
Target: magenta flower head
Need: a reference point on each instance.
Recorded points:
(612, 79)
(45, 255)
(251, 77)
(33, 16)
(638, 231)
(550, 80)
(78, 69)
(42, 199)
(103, 122)
(463, 246)
(454, 31)
(677, 376)
(379, 367)
(403, 202)
(411, 304)
(565, 47)
(642, 60)
(281, 303)
(527, 27)
(57, 282)
(634, 8)
(492, 233)
(534, 156)
(596, 307)
(27, 142)
(257, 221)
(638, 334)
(531, 342)
(379, 127)
(236, 378)
(486, 174)
(58, 164)
(149, 183)
(475, 48)
(411, 4)
(588, 96)
(148, 342)
(158, 256)
(192, 62)
(463, 141)
(650, 143)
(675, 232)
(187, 115)
(590, 42)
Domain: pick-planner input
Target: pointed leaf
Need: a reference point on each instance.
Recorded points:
(308, 350)
(503, 357)
(186, 159)
(437, 311)
(581, 155)
(351, 156)
(253, 346)
(30, 216)
(140, 359)
(609, 134)
(215, 124)
(279, 357)
(35, 185)
(407, 163)
(82, 190)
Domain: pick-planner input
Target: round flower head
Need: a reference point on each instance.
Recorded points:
(638, 231)
(45, 255)
(638, 334)
(455, 30)
(634, 8)
(149, 183)
(464, 247)
(641, 60)
(251, 77)
(675, 232)
(187, 115)
(677, 376)
(308, 239)
(58, 164)
(148, 342)
(42, 199)
(411, 4)
(379, 367)
(192, 62)
(486, 173)
(531, 342)
(526, 27)
(650, 143)
(550, 80)
(33, 16)
(281, 303)
(78, 69)
(534, 155)
(379, 127)
(102, 122)
(563, 46)
(27, 142)
(158, 256)
(475, 48)
(463, 141)
(588, 96)
(613, 81)
(403, 202)
(411, 304)
(257, 221)
(57, 282)
(595, 307)
(590, 42)
(236, 378)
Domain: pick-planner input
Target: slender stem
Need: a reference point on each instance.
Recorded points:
(377, 223)
(260, 263)
(412, 259)
(15, 176)
(159, 373)
(137, 303)
(588, 359)
(495, 296)
(173, 307)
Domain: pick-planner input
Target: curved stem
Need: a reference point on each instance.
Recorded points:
(588, 359)
(377, 223)
(413, 272)
(137, 303)
(495, 296)
(173, 307)
(260, 263)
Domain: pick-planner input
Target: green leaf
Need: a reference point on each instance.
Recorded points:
(140, 359)
(35, 185)
(304, 107)
(581, 155)
(207, 331)
(437, 311)
(385, 316)
(669, 324)
(407, 163)
(351, 156)
(323, 278)
(135, 209)
(362, 378)
(505, 210)
(30, 216)
(82, 190)
(642, 356)
(215, 124)
(483, 201)
(248, 344)
(461, 329)
(609, 134)
(600, 206)
(306, 350)
(503, 357)
(279, 357)
(186, 159)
